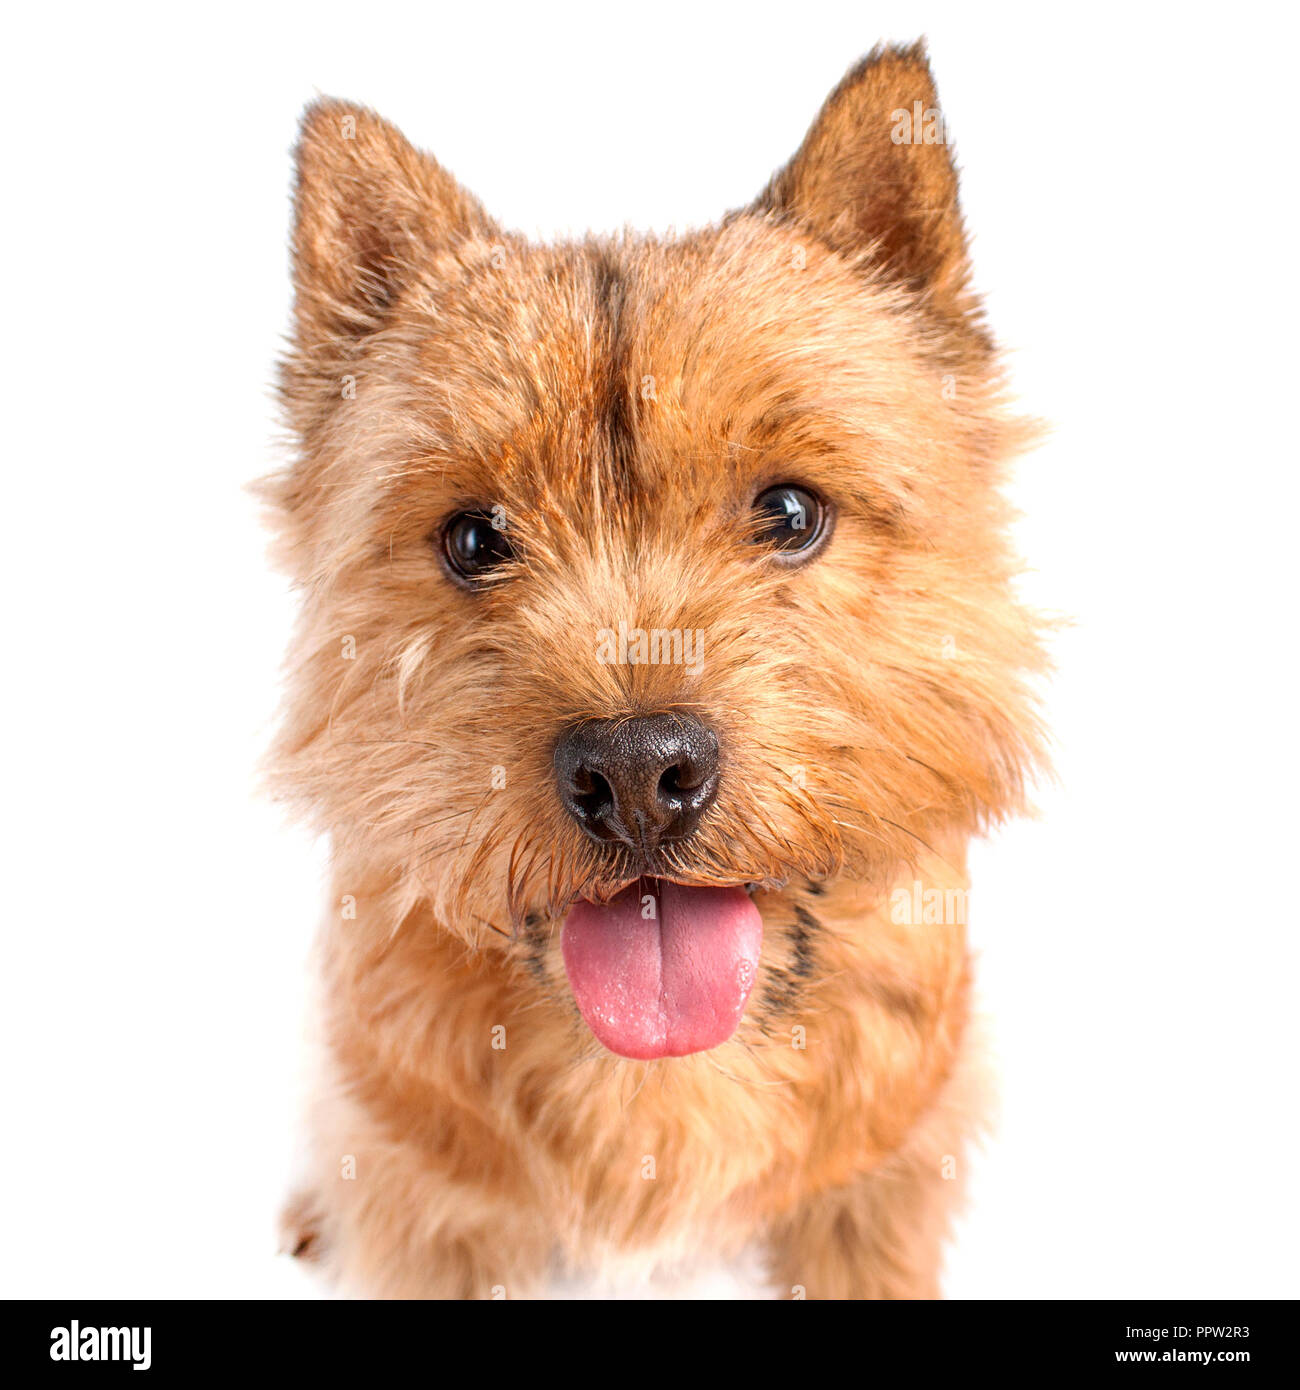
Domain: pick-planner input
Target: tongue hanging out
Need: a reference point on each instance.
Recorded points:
(663, 970)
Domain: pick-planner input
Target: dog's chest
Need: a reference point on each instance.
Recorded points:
(652, 1275)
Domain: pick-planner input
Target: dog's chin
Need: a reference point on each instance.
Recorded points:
(663, 968)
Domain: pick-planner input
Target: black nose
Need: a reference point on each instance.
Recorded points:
(643, 782)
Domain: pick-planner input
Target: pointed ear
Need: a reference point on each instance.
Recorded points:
(369, 209)
(875, 175)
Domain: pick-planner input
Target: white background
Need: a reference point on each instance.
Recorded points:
(1130, 184)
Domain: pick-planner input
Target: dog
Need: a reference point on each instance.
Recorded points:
(659, 656)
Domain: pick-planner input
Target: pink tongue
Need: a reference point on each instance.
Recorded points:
(668, 983)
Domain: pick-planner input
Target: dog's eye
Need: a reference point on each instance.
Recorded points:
(475, 543)
(789, 518)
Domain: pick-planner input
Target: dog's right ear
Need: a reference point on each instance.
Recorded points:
(369, 208)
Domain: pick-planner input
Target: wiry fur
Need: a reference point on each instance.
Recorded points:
(623, 400)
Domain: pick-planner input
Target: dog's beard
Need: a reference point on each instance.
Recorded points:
(661, 951)
(541, 874)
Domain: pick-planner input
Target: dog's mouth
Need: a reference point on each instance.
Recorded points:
(663, 969)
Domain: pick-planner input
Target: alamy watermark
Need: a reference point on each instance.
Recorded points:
(656, 646)
(917, 906)
(922, 125)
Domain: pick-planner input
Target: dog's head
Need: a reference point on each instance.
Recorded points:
(641, 576)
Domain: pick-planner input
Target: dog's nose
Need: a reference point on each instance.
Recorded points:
(644, 782)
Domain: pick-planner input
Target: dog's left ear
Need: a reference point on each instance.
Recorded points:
(874, 176)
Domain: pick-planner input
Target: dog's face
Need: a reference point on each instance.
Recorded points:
(643, 576)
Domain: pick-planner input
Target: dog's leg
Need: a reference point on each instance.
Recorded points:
(391, 1218)
(882, 1235)
(377, 1250)
(879, 1238)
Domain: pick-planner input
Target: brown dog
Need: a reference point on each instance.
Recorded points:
(658, 659)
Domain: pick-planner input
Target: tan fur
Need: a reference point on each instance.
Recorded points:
(623, 399)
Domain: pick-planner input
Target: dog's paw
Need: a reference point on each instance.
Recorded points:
(302, 1225)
